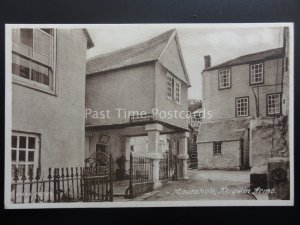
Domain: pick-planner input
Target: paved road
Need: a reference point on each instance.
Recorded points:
(205, 185)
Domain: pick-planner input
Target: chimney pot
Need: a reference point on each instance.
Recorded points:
(207, 61)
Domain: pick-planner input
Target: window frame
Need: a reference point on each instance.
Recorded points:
(230, 80)
(195, 121)
(263, 73)
(248, 106)
(173, 89)
(52, 87)
(219, 148)
(280, 104)
(37, 151)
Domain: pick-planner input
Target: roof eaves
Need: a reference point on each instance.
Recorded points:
(90, 42)
(121, 67)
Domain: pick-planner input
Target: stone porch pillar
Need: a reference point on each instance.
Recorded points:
(183, 155)
(153, 150)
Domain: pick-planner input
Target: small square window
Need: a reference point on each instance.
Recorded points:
(217, 147)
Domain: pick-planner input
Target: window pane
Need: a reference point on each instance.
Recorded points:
(42, 44)
(22, 142)
(21, 169)
(13, 141)
(13, 155)
(26, 37)
(49, 31)
(20, 66)
(31, 142)
(40, 73)
(30, 156)
(13, 169)
(22, 156)
(30, 170)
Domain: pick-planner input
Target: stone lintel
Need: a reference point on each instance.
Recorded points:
(154, 127)
(183, 135)
(154, 155)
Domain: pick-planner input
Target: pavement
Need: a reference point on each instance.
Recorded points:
(204, 185)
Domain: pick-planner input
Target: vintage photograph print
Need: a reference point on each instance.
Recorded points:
(149, 115)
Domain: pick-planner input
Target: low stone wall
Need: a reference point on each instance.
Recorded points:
(279, 178)
(269, 153)
(268, 139)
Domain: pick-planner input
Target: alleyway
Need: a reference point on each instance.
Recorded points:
(204, 185)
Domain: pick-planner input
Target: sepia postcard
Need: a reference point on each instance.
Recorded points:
(149, 115)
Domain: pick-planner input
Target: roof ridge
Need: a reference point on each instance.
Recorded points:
(132, 46)
(240, 59)
(269, 50)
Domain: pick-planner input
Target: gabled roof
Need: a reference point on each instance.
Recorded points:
(259, 56)
(222, 130)
(148, 51)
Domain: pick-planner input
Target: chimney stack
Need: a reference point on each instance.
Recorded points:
(207, 61)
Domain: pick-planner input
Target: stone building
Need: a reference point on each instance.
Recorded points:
(145, 78)
(236, 93)
(48, 103)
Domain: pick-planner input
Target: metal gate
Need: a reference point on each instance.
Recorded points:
(140, 172)
(97, 180)
(168, 167)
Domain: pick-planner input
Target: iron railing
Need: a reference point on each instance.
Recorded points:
(63, 185)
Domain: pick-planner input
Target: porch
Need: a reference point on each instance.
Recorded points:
(156, 159)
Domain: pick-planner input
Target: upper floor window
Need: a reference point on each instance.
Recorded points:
(195, 121)
(24, 153)
(273, 104)
(173, 88)
(242, 106)
(224, 78)
(217, 147)
(33, 57)
(257, 73)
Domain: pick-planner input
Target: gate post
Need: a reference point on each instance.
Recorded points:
(153, 131)
(183, 156)
(111, 192)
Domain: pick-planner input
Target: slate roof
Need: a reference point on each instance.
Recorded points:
(143, 52)
(222, 130)
(258, 56)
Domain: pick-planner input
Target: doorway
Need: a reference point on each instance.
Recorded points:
(101, 148)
